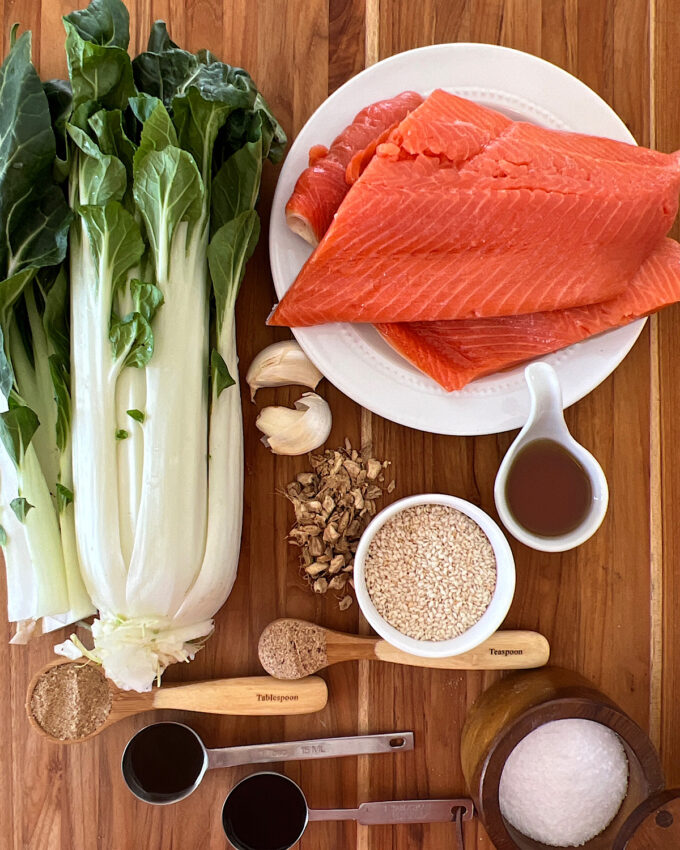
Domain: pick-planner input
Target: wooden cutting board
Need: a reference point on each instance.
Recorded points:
(608, 609)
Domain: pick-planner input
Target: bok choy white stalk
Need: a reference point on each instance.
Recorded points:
(166, 162)
(37, 528)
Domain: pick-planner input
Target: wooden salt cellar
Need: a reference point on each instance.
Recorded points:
(654, 825)
(517, 705)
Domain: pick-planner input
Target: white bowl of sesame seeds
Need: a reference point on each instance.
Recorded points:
(434, 575)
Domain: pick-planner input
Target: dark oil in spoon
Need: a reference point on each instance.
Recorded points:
(547, 490)
(164, 759)
(266, 811)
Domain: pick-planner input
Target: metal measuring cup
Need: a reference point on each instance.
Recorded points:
(268, 811)
(197, 758)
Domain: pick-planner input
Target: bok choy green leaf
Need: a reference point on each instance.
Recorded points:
(165, 158)
(43, 572)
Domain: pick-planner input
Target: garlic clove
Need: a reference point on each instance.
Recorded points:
(280, 364)
(273, 420)
(296, 432)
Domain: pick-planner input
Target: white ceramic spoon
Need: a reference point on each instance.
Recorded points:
(546, 421)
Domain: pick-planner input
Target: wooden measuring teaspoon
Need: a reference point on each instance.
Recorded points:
(291, 649)
(251, 695)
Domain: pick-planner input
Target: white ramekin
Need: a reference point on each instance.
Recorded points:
(492, 617)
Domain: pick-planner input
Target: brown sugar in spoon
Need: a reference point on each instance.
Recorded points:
(94, 699)
(291, 649)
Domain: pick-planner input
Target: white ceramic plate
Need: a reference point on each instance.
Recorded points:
(354, 357)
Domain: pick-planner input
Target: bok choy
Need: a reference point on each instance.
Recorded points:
(37, 528)
(166, 156)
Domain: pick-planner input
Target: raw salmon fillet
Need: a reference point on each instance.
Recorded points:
(455, 353)
(321, 187)
(464, 213)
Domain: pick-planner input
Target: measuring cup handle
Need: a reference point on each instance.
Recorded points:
(414, 811)
(332, 814)
(355, 745)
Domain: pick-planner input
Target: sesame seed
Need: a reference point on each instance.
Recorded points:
(431, 572)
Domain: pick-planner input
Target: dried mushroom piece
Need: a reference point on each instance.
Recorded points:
(333, 504)
(337, 582)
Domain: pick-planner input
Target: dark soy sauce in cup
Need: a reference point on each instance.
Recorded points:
(547, 489)
(265, 811)
(164, 759)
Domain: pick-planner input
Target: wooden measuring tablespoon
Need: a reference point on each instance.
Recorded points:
(291, 649)
(252, 695)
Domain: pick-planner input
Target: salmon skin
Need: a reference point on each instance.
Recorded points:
(466, 214)
(457, 352)
(321, 187)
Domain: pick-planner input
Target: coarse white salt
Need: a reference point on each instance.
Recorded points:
(564, 783)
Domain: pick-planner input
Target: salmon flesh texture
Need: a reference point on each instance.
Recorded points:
(466, 214)
(454, 353)
(322, 186)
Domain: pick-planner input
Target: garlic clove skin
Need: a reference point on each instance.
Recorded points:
(273, 420)
(281, 364)
(296, 432)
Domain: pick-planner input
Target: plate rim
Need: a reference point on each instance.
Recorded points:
(361, 395)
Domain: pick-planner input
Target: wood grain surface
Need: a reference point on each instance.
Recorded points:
(608, 609)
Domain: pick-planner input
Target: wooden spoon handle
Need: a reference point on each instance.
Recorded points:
(506, 650)
(254, 695)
